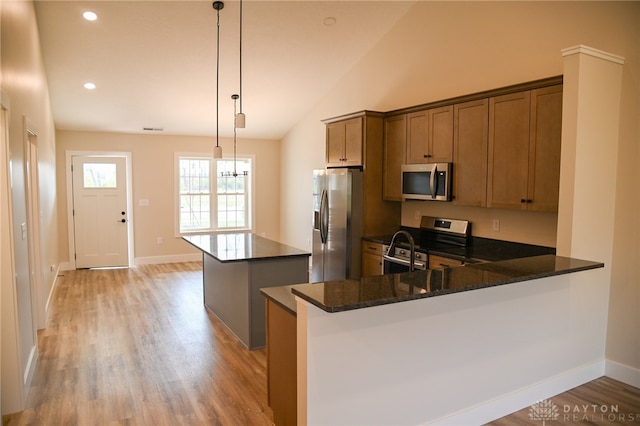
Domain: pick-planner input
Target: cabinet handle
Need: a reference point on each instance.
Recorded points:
(522, 200)
(427, 155)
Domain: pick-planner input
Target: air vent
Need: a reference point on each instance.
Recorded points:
(152, 129)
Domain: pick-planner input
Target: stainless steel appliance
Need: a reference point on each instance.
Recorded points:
(426, 181)
(400, 260)
(434, 234)
(337, 224)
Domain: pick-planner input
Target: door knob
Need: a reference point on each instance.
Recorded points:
(123, 220)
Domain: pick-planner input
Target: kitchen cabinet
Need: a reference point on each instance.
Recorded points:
(524, 150)
(430, 136)
(470, 151)
(438, 262)
(344, 143)
(281, 364)
(362, 133)
(544, 156)
(372, 263)
(395, 136)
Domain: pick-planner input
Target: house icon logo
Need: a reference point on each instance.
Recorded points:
(543, 411)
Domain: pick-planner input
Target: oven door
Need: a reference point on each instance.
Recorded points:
(397, 265)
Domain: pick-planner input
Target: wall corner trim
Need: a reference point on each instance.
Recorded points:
(592, 52)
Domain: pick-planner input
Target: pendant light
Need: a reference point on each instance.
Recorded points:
(217, 150)
(240, 118)
(235, 123)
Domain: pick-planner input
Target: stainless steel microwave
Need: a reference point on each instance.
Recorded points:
(426, 181)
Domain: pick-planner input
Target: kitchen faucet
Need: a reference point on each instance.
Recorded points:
(412, 247)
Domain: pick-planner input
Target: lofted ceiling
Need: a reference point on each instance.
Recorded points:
(154, 62)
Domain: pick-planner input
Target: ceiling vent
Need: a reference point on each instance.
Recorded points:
(152, 129)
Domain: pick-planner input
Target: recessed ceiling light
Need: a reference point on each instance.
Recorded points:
(89, 86)
(90, 16)
(329, 21)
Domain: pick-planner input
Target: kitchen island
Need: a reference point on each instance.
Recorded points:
(235, 267)
(459, 345)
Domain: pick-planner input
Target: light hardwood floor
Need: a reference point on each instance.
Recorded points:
(136, 347)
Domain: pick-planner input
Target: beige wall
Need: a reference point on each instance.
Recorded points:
(153, 179)
(25, 86)
(482, 46)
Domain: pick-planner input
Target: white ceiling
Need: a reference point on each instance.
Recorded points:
(154, 62)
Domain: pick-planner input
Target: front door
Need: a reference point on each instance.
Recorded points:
(100, 211)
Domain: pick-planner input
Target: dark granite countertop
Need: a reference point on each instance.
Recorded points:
(282, 296)
(241, 246)
(337, 296)
(479, 249)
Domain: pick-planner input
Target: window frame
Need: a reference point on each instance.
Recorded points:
(213, 193)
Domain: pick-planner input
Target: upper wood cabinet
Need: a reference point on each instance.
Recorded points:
(345, 143)
(470, 150)
(524, 150)
(356, 140)
(395, 136)
(544, 154)
(430, 136)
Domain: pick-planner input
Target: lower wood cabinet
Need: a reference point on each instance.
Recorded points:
(438, 262)
(372, 263)
(281, 364)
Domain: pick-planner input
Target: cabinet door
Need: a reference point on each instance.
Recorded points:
(470, 150)
(371, 259)
(508, 151)
(335, 143)
(441, 135)
(353, 142)
(395, 132)
(544, 154)
(430, 136)
(418, 137)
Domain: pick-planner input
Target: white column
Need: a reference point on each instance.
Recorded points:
(590, 122)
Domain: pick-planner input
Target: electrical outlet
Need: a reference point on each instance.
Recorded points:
(160, 240)
(417, 215)
(496, 224)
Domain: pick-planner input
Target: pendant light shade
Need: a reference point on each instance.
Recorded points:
(217, 150)
(240, 118)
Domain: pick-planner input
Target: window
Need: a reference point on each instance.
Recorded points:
(210, 197)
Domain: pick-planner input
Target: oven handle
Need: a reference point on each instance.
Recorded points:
(416, 264)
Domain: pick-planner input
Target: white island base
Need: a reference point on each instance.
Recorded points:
(458, 359)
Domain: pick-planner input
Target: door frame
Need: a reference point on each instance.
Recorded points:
(34, 235)
(70, 222)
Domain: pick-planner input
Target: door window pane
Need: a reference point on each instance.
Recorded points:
(99, 175)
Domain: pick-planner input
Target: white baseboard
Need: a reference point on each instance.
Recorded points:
(150, 260)
(623, 373)
(47, 305)
(66, 266)
(176, 258)
(525, 397)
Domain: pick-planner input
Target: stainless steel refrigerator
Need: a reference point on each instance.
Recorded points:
(337, 224)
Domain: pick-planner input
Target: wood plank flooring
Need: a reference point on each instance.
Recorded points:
(136, 347)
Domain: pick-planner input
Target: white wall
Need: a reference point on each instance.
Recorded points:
(153, 179)
(446, 49)
(464, 358)
(25, 86)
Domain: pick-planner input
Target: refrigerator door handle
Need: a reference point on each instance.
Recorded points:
(324, 216)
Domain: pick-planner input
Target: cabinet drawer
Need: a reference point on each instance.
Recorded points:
(372, 248)
(437, 262)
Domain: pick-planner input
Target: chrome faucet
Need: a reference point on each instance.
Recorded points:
(412, 247)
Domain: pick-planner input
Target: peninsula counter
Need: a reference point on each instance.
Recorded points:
(235, 267)
(459, 345)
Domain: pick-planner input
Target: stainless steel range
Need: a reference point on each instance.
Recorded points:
(434, 233)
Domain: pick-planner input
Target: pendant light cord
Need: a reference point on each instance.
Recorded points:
(240, 56)
(218, 78)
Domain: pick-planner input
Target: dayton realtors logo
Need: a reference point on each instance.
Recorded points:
(546, 410)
